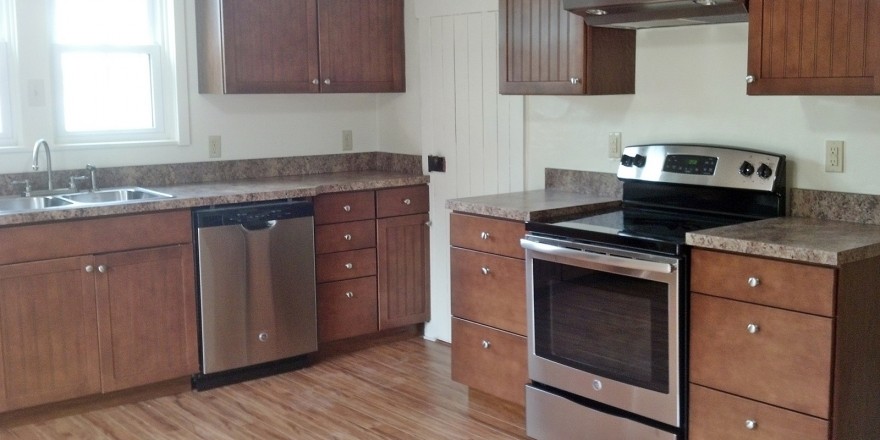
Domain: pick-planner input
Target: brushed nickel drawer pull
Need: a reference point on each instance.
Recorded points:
(346, 208)
(349, 294)
(754, 281)
(90, 268)
(407, 202)
(347, 237)
(485, 270)
(102, 268)
(753, 328)
(484, 235)
(751, 424)
(486, 344)
(349, 266)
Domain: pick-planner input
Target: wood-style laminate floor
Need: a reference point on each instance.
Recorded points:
(400, 390)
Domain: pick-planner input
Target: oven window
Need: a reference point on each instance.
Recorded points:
(610, 325)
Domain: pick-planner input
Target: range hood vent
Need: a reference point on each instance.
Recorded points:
(641, 14)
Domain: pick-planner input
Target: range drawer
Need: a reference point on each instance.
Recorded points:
(406, 200)
(347, 308)
(716, 415)
(489, 360)
(345, 236)
(487, 235)
(345, 207)
(490, 289)
(808, 289)
(345, 265)
(785, 360)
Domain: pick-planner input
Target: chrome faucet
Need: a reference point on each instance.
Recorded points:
(36, 160)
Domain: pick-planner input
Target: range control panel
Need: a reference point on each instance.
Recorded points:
(706, 165)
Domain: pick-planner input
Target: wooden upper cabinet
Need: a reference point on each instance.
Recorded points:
(814, 47)
(300, 46)
(545, 50)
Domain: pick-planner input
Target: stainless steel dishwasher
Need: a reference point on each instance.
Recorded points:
(257, 306)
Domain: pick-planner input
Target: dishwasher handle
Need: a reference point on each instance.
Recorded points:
(252, 216)
(258, 225)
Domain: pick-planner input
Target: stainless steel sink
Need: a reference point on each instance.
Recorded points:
(92, 198)
(31, 203)
(115, 195)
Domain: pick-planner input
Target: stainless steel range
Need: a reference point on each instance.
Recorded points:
(607, 294)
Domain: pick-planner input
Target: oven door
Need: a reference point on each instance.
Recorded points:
(604, 325)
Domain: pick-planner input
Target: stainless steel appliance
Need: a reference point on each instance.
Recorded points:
(607, 293)
(257, 304)
(641, 14)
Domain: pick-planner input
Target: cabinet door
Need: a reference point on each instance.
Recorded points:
(361, 43)
(262, 46)
(347, 308)
(146, 305)
(814, 47)
(490, 360)
(48, 332)
(402, 248)
(545, 50)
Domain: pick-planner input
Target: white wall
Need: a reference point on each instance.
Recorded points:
(690, 86)
(251, 126)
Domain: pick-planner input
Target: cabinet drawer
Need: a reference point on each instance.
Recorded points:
(347, 308)
(716, 415)
(486, 234)
(402, 201)
(489, 360)
(489, 289)
(344, 207)
(794, 286)
(345, 236)
(345, 265)
(786, 362)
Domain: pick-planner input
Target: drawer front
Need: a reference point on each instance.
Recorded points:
(345, 265)
(347, 236)
(407, 200)
(489, 289)
(808, 289)
(347, 308)
(785, 362)
(487, 235)
(716, 415)
(344, 207)
(489, 360)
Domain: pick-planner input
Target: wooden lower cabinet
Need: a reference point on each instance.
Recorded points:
(347, 308)
(48, 332)
(490, 360)
(79, 325)
(403, 253)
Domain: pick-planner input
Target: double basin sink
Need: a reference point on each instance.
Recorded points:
(91, 198)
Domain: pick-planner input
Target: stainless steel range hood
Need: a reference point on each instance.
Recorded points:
(641, 14)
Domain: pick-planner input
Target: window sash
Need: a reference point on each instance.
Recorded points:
(7, 131)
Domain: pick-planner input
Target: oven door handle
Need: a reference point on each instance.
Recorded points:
(592, 257)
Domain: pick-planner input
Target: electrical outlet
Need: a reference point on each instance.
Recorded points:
(833, 156)
(214, 147)
(347, 140)
(614, 147)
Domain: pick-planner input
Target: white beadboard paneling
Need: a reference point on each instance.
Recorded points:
(464, 119)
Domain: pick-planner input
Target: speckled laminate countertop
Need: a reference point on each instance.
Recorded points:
(807, 240)
(536, 205)
(204, 194)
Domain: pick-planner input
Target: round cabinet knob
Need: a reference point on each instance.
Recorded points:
(754, 281)
(407, 202)
(347, 237)
(753, 328)
(750, 79)
(428, 223)
(316, 81)
(263, 337)
(575, 81)
(486, 344)
(597, 385)
(764, 171)
(90, 268)
(485, 270)
(746, 169)
(349, 266)
(484, 235)
(346, 208)
(349, 294)
(327, 81)
(751, 424)
(102, 268)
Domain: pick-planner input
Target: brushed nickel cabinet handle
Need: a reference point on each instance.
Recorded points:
(102, 268)
(753, 328)
(347, 237)
(349, 294)
(349, 265)
(407, 202)
(90, 268)
(346, 208)
(754, 281)
(485, 270)
(484, 235)
(750, 79)
(486, 344)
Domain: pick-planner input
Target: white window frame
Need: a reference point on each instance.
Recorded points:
(168, 73)
(8, 135)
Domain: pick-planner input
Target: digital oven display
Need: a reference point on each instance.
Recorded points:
(689, 164)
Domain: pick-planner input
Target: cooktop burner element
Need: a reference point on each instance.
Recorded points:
(669, 190)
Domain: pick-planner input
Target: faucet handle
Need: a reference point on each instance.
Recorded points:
(90, 167)
(27, 186)
(73, 182)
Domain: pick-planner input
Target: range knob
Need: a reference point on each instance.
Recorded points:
(764, 171)
(639, 160)
(746, 169)
(626, 161)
